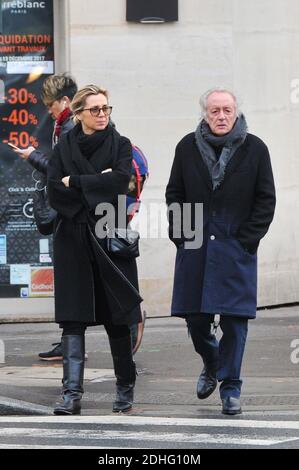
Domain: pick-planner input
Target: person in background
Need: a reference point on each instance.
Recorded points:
(228, 171)
(57, 93)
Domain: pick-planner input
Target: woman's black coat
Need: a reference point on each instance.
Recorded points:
(88, 287)
(220, 277)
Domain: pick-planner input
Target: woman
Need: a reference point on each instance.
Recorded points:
(91, 165)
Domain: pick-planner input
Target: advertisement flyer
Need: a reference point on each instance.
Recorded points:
(26, 59)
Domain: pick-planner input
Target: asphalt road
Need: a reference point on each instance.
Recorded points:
(167, 413)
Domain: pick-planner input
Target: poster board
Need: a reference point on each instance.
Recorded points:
(26, 59)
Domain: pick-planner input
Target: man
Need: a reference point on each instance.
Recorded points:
(228, 170)
(57, 93)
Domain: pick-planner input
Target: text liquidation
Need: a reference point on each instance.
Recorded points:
(25, 39)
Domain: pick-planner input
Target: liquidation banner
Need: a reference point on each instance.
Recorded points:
(26, 59)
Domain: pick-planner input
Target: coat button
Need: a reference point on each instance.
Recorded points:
(212, 237)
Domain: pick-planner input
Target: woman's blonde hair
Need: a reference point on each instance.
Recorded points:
(79, 100)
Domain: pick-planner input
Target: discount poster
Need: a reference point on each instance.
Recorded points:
(26, 59)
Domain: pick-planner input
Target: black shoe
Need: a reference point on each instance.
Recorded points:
(206, 384)
(69, 405)
(54, 355)
(231, 406)
(124, 398)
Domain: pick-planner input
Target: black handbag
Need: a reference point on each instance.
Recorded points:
(123, 242)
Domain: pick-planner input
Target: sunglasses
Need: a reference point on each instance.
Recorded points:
(95, 111)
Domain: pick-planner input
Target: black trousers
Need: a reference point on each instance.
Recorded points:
(78, 328)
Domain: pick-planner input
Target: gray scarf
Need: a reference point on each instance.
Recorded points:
(206, 142)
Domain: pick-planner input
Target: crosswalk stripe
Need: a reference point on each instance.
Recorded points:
(154, 421)
(142, 436)
(29, 446)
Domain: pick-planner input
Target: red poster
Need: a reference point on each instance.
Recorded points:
(42, 282)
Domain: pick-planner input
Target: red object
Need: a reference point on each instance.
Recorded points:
(63, 116)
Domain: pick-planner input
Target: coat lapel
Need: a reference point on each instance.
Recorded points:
(236, 160)
(203, 167)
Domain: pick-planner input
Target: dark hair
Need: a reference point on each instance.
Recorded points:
(56, 87)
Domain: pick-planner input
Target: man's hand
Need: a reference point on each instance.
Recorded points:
(24, 153)
(66, 181)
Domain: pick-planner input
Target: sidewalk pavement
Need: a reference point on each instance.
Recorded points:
(167, 364)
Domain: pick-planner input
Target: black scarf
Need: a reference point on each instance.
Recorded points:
(95, 152)
(90, 143)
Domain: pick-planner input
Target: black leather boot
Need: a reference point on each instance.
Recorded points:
(231, 406)
(207, 383)
(125, 373)
(73, 371)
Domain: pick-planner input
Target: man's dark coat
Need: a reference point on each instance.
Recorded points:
(220, 277)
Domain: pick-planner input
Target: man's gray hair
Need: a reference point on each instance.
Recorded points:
(203, 100)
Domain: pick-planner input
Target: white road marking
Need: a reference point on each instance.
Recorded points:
(45, 433)
(28, 446)
(153, 421)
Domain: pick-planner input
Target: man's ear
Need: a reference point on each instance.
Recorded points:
(66, 100)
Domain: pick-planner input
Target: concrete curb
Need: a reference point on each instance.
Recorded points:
(23, 318)
(9, 406)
